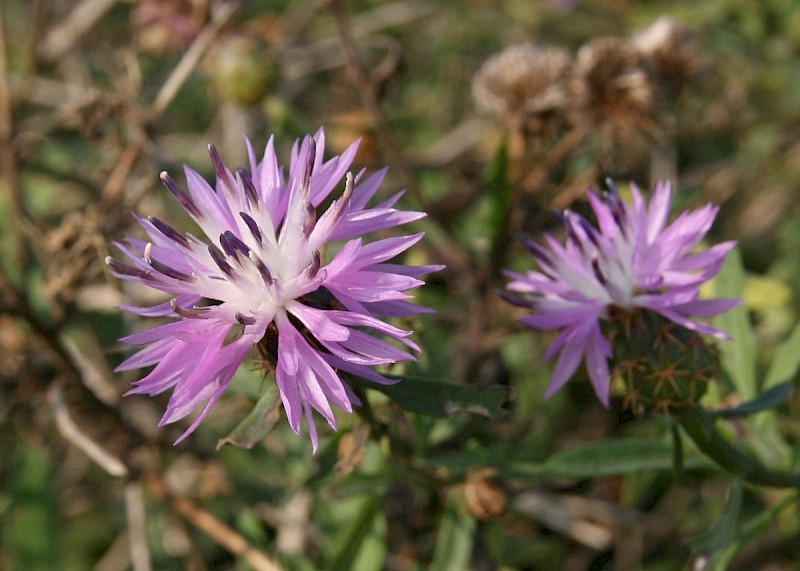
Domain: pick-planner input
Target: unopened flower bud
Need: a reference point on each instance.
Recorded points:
(242, 70)
(664, 367)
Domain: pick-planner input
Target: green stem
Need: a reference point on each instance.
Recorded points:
(699, 425)
(677, 452)
(752, 528)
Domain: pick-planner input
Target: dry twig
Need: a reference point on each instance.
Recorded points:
(8, 160)
(192, 58)
(134, 504)
(73, 434)
(218, 530)
(224, 535)
(369, 97)
(63, 37)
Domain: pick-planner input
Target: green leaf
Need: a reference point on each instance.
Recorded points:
(726, 529)
(351, 542)
(784, 366)
(738, 355)
(249, 524)
(701, 427)
(263, 418)
(677, 452)
(765, 401)
(474, 454)
(374, 546)
(498, 188)
(611, 457)
(443, 399)
(722, 560)
(455, 538)
(32, 532)
(786, 360)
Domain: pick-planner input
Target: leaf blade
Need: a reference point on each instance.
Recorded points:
(738, 355)
(441, 399)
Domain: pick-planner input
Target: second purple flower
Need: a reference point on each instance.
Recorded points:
(632, 271)
(264, 277)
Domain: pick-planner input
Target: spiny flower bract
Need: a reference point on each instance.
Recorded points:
(631, 260)
(262, 277)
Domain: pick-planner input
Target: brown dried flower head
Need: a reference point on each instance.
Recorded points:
(524, 85)
(618, 94)
(672, 50)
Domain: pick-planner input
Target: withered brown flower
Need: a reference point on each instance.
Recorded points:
(672, 50)
(617, 94)
(524, 86)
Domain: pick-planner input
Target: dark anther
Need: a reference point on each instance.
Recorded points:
(222, 173)
(219, 259)
(183, 198)
(245, 319)
(125, 269)
(169, 231)
(266, 275)
(232, 245)
(247, 183)
(168, 271)
(252, 226)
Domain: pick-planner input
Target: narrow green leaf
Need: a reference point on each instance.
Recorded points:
(374, 547)
(786, 360)
(726, 529)
(474, 454)
(783, 369)
(455, 538)
(444, 399)
(722, 560)
(32, 533)
(738, 355)
(256, 425)
(765, 401)
(609, 458)
(498, 188)
(351, 542)
(677, 452)
(701, 427)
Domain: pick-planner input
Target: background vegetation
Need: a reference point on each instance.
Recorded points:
(462, 466)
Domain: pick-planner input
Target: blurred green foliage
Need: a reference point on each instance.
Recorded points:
(439, 471)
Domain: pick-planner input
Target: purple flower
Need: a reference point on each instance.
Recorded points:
(632, 259)
(265, 276)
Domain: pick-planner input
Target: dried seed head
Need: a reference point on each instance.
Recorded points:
(617, 94)
(524, 85)
(662, 366)
(671, 49)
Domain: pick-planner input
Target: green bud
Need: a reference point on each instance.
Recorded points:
(242, 70)
(663, 367)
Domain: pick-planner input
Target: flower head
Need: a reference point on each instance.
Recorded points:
(618, 95)
(524, 84)
(631, 261)
(264, 276)
(673, 51)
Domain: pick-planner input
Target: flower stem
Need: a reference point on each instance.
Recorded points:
(699, 425)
